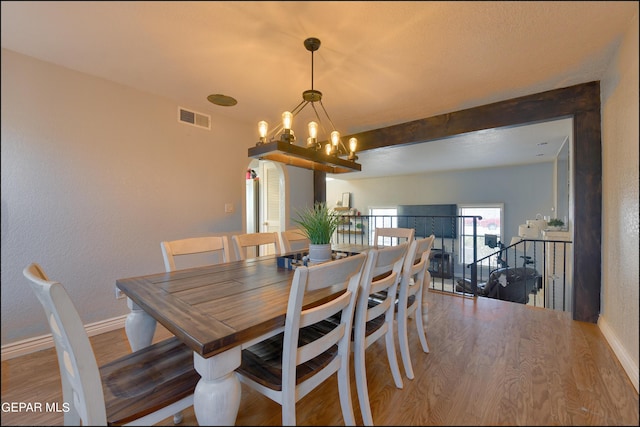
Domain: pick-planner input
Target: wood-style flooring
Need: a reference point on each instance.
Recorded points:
(490, 363)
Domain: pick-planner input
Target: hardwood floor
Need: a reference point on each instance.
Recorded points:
(490, 363)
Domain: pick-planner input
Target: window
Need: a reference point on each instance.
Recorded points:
(382, 218)
(491, 223)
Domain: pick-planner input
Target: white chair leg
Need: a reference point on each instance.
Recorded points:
(361, 386)
(420, 320)
(177, 418)
(404, 344)
(288, 407)
(391, 355)
(72, 417)
(344, 389)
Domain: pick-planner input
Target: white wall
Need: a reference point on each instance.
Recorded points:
(525, 191)
(95, 175)
(620, 213)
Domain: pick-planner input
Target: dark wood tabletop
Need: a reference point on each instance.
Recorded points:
(217, 307)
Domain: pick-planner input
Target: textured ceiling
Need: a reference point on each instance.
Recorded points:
(380, 63)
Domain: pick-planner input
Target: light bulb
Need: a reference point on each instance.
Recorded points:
(327, 148)
(353, 144)
(263, 127)
(313, 130)
(287, 119)
(335, 138)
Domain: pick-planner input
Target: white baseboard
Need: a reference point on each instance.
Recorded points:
(625, 360)
(43, 342)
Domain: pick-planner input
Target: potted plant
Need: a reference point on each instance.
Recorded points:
(555, 224)
(318, 224)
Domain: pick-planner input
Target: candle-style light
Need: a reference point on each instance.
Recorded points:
(353, 145)
(263, 128)
(335, 139)
(287, 121)
(313, 135)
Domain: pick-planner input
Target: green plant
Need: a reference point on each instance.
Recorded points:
(555, 222)
(317, 223)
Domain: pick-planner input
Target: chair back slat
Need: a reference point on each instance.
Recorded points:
(293, 240)
(269, 240)
(392, 235)
(416, 263)
(217, 245)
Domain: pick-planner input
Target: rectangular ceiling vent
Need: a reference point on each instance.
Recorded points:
(194, 118)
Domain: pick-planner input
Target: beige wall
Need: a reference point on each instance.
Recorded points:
(95, 175)
(510, 186)
(619, 319)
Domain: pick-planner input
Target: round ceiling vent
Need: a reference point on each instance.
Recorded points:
(223, 100)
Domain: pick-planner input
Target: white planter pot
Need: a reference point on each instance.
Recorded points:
(320, 253)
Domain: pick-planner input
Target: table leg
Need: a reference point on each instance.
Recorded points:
(217, 396)
(139, 326)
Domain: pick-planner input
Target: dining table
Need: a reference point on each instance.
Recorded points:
(217, 310)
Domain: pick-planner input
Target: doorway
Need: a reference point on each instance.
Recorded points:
(264, 197)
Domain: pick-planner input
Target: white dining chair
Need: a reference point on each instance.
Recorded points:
(391, 236)
(374, 316)
(141, 388)
(293, 240)
(288, 366)
(269, 242)
(411, 294)
(217, 246)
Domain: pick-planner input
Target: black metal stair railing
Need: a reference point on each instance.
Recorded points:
(537, 272)
(446, 255)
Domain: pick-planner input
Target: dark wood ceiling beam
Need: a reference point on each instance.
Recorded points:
(528, 109)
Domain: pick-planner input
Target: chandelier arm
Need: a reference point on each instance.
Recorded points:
(299, 107)
(327, 114)
(275, 131)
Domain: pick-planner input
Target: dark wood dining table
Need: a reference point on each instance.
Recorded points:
(216, 310)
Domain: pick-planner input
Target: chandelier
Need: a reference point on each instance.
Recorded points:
(333, 157)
